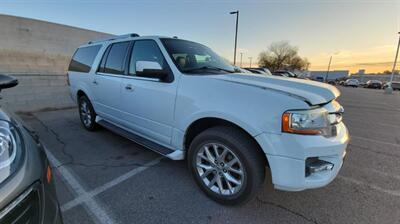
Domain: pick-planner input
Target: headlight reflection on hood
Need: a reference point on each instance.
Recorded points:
(10, 149)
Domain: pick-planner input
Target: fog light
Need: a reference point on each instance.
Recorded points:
(314, 165)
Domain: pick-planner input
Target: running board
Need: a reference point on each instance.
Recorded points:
(175, 155)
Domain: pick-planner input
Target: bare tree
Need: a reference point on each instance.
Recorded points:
(282, 55)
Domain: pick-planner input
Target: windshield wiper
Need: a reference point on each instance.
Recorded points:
(208, 68)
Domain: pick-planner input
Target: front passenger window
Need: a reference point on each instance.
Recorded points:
(145, 50)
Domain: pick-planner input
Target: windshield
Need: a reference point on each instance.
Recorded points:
(191, 57)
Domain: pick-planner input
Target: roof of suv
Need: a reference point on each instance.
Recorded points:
(119, 38)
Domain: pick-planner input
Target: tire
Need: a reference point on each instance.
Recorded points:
(237, 144)
(87, 114)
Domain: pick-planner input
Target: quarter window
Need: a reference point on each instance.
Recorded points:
(115, 62)
(83, 59)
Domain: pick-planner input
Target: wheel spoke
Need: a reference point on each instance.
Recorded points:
(205, 158)
(223, 154)
(212, 182)
(209, 156)
(203, 166)
(229, 186)
(230, 169)
(231, 179)
(219, 183)
(205, 174)
(233, 161)
(215, 147)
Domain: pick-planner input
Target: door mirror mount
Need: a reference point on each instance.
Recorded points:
(150, 69)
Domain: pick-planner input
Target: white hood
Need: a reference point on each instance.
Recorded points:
(310, 91)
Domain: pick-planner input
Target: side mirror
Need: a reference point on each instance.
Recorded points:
(150, 69)
(7, 81)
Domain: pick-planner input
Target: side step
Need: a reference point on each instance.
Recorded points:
(136, 138)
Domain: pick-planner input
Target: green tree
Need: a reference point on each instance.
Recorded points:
(282, 55)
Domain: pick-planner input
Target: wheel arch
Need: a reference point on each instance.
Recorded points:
(202, 124)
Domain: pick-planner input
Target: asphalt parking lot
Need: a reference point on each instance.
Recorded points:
(104, 178)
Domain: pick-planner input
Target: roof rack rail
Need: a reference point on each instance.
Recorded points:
(113, 37)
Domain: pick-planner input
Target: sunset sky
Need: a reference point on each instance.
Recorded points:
(359, 34)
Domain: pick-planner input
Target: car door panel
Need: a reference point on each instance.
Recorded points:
(108, 79)
(148, 104)
(149, 108)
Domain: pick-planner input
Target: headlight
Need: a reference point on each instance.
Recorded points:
(311, 122)
(10, 149)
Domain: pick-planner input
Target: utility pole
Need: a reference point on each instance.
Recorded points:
(241, 57)
(329, 67)
(389, 89)
(250, 60)
(236, 33)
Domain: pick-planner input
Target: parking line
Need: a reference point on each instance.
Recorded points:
(92, 206)
(375, 141)
(87, 196)
(354, 181)
(372, 170)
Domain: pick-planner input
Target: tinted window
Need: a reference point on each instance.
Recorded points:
(115, 62)
(146, 50)
(83, 59)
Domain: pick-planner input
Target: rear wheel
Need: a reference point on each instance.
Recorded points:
(227, 165)
(87, 114)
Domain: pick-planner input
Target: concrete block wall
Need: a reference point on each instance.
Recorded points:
(38, 54)
(37, 92)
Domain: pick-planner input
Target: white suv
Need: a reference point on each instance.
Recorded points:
(182, 100)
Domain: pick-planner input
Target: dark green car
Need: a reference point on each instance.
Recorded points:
(27, 193)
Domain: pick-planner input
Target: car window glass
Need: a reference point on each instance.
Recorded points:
(145, 50)
(83, 59)
(115, 62)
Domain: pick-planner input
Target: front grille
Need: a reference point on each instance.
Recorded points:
(24, 210)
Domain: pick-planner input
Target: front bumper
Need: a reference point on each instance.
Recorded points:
(27, 196)
(287, 155)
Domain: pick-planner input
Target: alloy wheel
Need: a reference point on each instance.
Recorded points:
(220, 169)
(86, 114)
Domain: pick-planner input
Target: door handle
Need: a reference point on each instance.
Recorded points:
(95, 82)
(129, 87)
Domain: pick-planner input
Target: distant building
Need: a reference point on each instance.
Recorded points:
(361, 72)
(332, 75)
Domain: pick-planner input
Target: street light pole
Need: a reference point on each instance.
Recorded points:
(329, 67)
(390, 89)
(241, 57)
(237, 24)
(250, 60)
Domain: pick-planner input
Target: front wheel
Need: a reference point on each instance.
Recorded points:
(227, 165)
(87, 114)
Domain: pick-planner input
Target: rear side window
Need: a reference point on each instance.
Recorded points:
(83, 59)
(115, 62)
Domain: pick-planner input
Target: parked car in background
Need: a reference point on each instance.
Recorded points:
(373, 84)
(27, 193)
(180, 99)
(332, 82)
(264, 71)
(395, 85)
(285, 74)
(352, 82)
(256, 71)
(242, 70)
